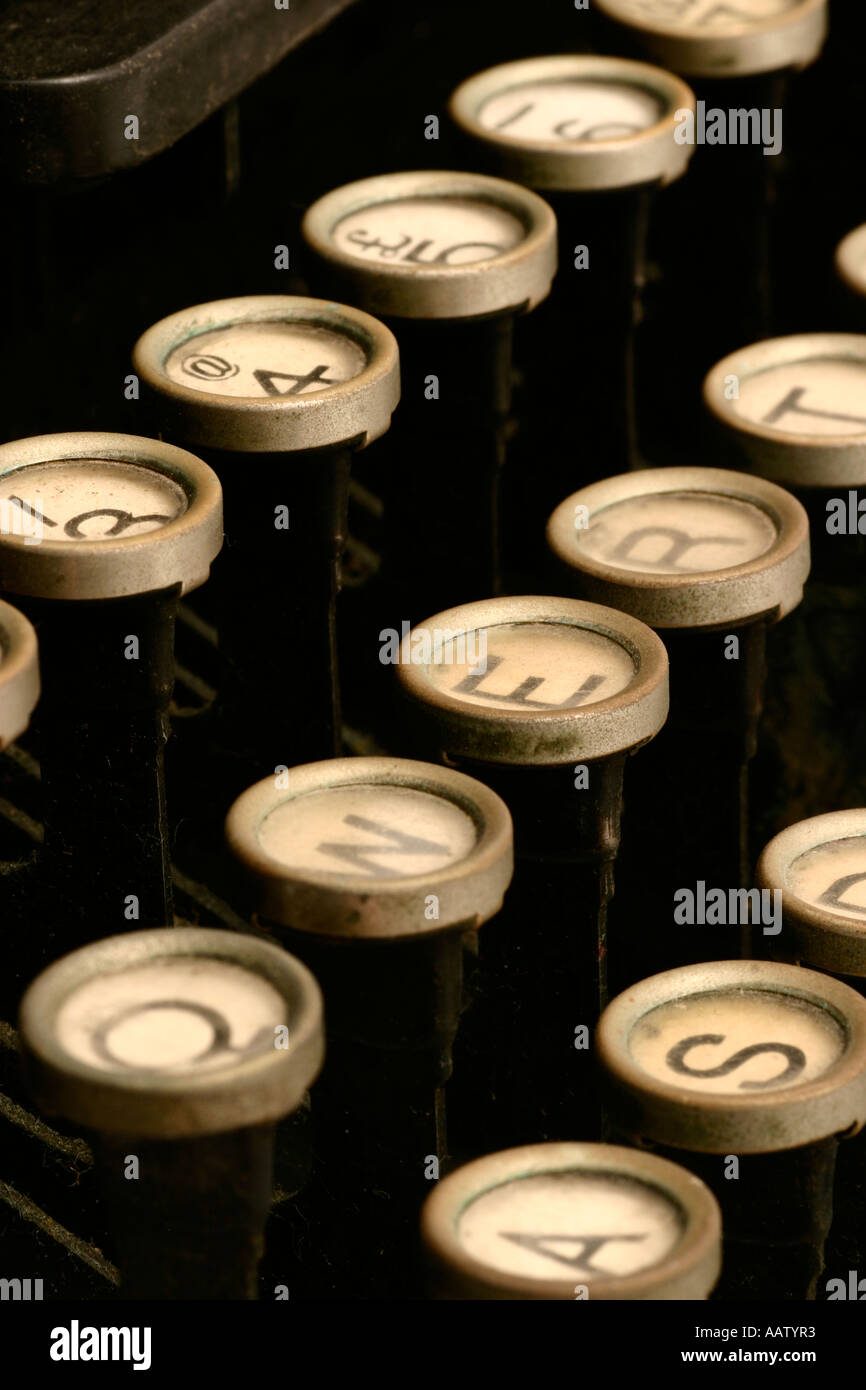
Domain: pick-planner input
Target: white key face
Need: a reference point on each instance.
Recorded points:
(533, 666)
(711, 16)
(737, 1042)
(266, 360)
(574, 112)
(87, 500)
(677, 533)
(821, 395)
(559, 1225)
(178, 1016)
(428, 231)
(375, 832)
(833, 877)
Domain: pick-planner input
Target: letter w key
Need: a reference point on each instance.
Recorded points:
(393, 842)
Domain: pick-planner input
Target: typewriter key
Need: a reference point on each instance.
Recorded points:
(596, 137)
(180, 1049)
(372, 870)
(19, 673)
(543, 699)
(851, 266)
(449, 260)
(571, 1221)
(19, 691)
(741, 60)
(794, 410)
(276, 392)
(709, 559)
(819, 868)
(705, 39)
(109, 531)
(748, 1073)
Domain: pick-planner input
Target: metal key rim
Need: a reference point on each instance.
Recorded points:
(824, 940)
(724, 1122)
(178, 553)
(791, 39)
(770, 584)
(594, 730)
(518, 279)
(354, 412)
(690, 1270)
(647, 156)
(850, 260)
(19, 673)
(470, 891)
(153, 1105)
(789, 458)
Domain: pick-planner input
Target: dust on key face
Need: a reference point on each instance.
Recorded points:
(737, 1042)
(563, 1224)
(832, 877)
(177, 1016)
(531, 666)
(709, 16)
(431, 231)
(677, 533)
(87, 500)
(816, 396)
(373, 832)
(575, 111)
(266, 360)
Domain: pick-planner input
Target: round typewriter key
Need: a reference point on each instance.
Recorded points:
(747, 1072)
(372, 870)
(566, 1221)
(435, 244)
(851, 264)
(19, 673)
(106, 531)
(180, 1049)
(596, 136)
(794, 409)
(276, 392)
(818, 868)
(682, 548)
(543, 699)
(450, 260)
(19, 691)
(710, 559)
(705, 39)
(576, 123)
(742, 61)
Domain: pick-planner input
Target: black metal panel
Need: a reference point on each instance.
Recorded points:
(72, 71)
